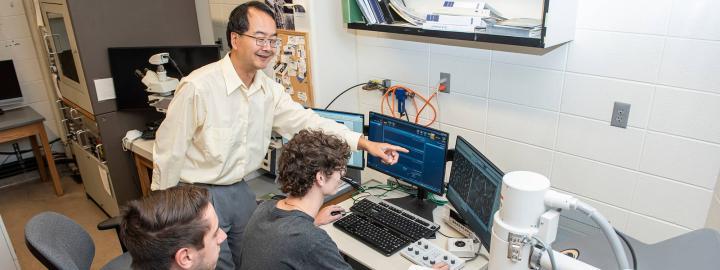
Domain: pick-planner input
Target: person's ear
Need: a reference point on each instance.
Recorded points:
(234, 39)
(184, 258)
(320, 178)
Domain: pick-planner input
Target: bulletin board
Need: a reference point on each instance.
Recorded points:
(292, 66)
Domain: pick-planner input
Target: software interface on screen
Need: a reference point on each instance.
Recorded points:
(424, 166)
(474, 189)
(355, 123)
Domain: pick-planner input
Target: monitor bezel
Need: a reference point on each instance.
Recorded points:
(496, 205)
(362, 116)
(445, 154)
(12, 101)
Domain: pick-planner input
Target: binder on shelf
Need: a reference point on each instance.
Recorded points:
(376, 11)
(366, 11)
(352, 12)
(387, 11)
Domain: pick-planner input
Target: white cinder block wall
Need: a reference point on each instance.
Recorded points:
(16, 43)
(550, 112)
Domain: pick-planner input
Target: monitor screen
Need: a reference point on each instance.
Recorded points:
(10, 92)
(130, 91)
(474, 189)
(355, 122)
(424, 166)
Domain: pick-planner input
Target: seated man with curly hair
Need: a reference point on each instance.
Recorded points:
(284, 234)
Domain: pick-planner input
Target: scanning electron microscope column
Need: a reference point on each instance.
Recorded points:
(522, 203)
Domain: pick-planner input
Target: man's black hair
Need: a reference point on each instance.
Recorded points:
(238, 21)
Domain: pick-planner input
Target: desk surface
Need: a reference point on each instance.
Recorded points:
(19, 117)
(374, 260)
(259, 183)
(143, 147)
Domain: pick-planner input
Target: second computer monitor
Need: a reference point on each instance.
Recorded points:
(424, 165)
(354, 122)
(474, 189)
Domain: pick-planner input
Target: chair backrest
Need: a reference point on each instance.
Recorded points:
(58, 242)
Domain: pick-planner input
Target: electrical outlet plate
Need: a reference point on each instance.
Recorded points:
(446, 77)
(620, 115)
(386, 83)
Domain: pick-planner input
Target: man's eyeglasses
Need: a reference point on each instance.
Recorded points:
(273, 42)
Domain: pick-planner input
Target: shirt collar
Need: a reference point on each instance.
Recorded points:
(233, 81)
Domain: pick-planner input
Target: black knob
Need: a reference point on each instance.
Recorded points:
(425, 258)
(417, 252)
(432, 262)
(410, 248)
(445, 257)
(426, 246)
(452, 261)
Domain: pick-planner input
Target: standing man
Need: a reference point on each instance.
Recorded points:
(218, 126)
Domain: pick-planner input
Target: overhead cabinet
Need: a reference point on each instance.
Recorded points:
(539, 23)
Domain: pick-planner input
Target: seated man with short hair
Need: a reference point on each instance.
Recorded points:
(175, 228)
(284, 234)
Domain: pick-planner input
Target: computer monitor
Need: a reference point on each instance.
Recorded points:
(474, 189)
(355, 122)
(130, 91)
(10, 92)
(423, 166)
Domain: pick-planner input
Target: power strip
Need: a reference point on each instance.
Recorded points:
(425, 253)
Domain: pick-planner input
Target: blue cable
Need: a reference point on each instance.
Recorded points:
(401, 95)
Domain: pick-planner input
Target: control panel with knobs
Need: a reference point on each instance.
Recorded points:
(425, 253)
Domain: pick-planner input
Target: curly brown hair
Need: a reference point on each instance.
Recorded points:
(310, 152)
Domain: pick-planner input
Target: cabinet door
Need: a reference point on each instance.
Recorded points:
(96, 180)
(8, 259)
(62, 45)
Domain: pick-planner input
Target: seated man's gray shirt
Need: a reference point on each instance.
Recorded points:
(279, 239)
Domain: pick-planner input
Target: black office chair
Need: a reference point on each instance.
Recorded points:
(60, 243)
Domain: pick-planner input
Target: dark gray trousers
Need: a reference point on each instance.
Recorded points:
(234, 205)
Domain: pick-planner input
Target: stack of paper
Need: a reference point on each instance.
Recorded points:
(407, 14)
(521, 27)
(461, 16)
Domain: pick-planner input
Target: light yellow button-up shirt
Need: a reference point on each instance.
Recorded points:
(217, 129)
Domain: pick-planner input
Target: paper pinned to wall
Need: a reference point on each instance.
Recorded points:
(104, 88)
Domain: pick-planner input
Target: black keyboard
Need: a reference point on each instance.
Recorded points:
(386, 223)
(376, 236)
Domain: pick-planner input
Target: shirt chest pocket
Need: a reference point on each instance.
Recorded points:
(218, 143)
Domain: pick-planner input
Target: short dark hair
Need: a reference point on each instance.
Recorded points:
(310, 152)
(155, 228)
(238, 21)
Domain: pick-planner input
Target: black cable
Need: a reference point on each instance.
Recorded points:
(176, 67)
(6, 159)
(343, 92)
(405, 112)
(28, 150)
(438, 231)
(632, 251)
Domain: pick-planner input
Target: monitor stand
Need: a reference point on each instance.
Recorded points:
(417, 205)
